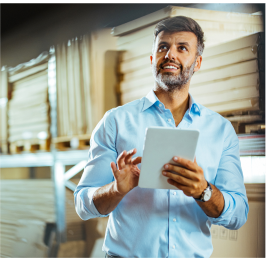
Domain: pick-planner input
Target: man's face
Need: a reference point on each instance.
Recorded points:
(175, 59)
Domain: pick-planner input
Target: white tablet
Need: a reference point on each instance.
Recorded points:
(160, 146)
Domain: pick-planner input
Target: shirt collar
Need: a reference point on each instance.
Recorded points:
(151, 99)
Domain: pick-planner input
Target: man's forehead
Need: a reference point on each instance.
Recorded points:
(180, 36)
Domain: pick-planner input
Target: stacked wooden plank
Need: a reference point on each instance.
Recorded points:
(25, 204)
(231, 76)
(74, 87)
(28, 108)
(3, 110)
(75, 226)
(136, 38)
(73, 249)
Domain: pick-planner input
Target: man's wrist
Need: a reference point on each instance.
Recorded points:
(206, 194)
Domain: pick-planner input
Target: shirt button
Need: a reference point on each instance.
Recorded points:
(173, 246)
(160, 105)
(174, 220)
(174, 193)
(169, 120)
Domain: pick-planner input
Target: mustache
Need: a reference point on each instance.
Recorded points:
(170, 61)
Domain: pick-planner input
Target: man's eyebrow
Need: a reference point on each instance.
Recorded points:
(183, 43)
(163, 42)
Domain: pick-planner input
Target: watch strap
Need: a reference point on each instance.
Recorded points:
(201, 199)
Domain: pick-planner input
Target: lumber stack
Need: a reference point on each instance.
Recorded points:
(74, 87)
(26, 206)
(232, 76)
(135, 38)
(75, 226)
(28, 108)
(3, 110)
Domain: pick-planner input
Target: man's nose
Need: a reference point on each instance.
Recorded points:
(171, 54)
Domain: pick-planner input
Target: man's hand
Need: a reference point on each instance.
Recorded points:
(190, 178)
(127, 174)
(191, 181)
(107, 197)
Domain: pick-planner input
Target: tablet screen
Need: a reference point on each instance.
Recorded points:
(160, 146)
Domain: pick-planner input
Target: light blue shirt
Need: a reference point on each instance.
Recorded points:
(163, 223)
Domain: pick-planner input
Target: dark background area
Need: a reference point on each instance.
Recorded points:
(29, 29)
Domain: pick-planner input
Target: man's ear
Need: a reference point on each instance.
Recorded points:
(151, 59)
(198, 63)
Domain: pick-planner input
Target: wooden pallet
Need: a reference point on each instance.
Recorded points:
(79, 142)
(29, 146)
(3, 147)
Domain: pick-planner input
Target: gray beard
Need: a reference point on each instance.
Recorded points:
(170, 82)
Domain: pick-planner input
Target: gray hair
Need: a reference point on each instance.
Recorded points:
(181, 23)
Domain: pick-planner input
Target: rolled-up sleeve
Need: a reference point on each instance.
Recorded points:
(229, 180)
(97, 171)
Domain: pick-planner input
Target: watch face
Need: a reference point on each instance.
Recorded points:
(207, 195)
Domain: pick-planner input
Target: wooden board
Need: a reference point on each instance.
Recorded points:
(3, 110)
(225, 72)
(22, 200)
(28, 72)
(73, 72)
(194, 13)
(28, 111)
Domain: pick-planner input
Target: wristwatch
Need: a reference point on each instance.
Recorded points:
(206, 195)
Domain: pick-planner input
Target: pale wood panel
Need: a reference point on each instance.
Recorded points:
(242, 42)
(31, 81)
(71, 92)
(28, 72)
(194, 13)
(245, 104)
(228, 58)
(27, 200)
(139, 73)
(135, 64)
(225, 96)
(39, 98)
(86, 76)
(28, 120)
(74, 95)
(225, 85)
(38, 88)
(14, 194)
(28, 108)
(20, 98)
(126, 86)
(3, 109)
(78, 86)
(35, 110)
(137, 48)
(62, 84)
(219, 16)
(44, 126)
(225, 72)
(121, 41)
(136, 93)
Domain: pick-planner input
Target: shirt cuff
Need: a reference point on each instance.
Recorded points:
(225, 215)
(87, 196)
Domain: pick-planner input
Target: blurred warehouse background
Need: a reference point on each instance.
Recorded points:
(64, 65)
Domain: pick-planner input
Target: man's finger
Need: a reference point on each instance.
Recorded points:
(129, 155)
(190, 165)
(114, 168)
(177, 178)
(136, 160)
(184, 172)
(121, 160)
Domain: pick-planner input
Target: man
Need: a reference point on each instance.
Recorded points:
(164, 223)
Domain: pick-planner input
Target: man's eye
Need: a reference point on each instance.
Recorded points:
(163, 47)
(183, 48)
